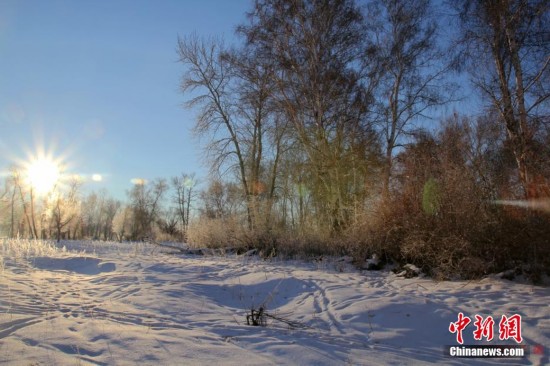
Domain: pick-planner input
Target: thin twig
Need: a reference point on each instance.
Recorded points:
(292, 323)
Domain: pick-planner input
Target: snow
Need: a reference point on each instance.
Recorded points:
(123, 304)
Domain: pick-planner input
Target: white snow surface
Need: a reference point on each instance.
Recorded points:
(127, 304)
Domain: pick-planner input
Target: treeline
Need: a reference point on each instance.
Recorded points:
(159, 209)
(318, 125)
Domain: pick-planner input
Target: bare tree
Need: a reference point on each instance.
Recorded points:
(98, 212)
(315, 48)
(184, 194)
(64, 206)
(233, 97)
(122, 222)
(145, 202)
(412, 71)
(510, 39)
(11, 182)
(110, 209)
(262, 129)
(19, 184)
(3, 201)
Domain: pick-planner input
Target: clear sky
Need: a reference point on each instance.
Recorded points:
(96, 83)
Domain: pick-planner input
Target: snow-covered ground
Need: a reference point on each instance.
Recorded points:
(125, 304)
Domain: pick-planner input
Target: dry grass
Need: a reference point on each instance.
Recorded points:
(24, 248)
(18, 249)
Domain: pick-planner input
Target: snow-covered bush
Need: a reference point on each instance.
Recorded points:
(23, 248)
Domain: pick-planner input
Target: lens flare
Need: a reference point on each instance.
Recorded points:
(138, 181)
(535, 204)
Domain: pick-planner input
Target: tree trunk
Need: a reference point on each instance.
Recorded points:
(35, 232)
(12, 224)
(25, 211)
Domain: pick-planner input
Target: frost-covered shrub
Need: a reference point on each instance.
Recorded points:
(17, 249)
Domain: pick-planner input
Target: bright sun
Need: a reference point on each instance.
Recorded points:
(43, 174)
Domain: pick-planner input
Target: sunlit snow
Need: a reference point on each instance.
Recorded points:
(122, 304)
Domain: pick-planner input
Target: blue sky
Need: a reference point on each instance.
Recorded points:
(96, 83)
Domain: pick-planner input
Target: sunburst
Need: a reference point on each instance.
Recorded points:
(42, 171)
(43, 174)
